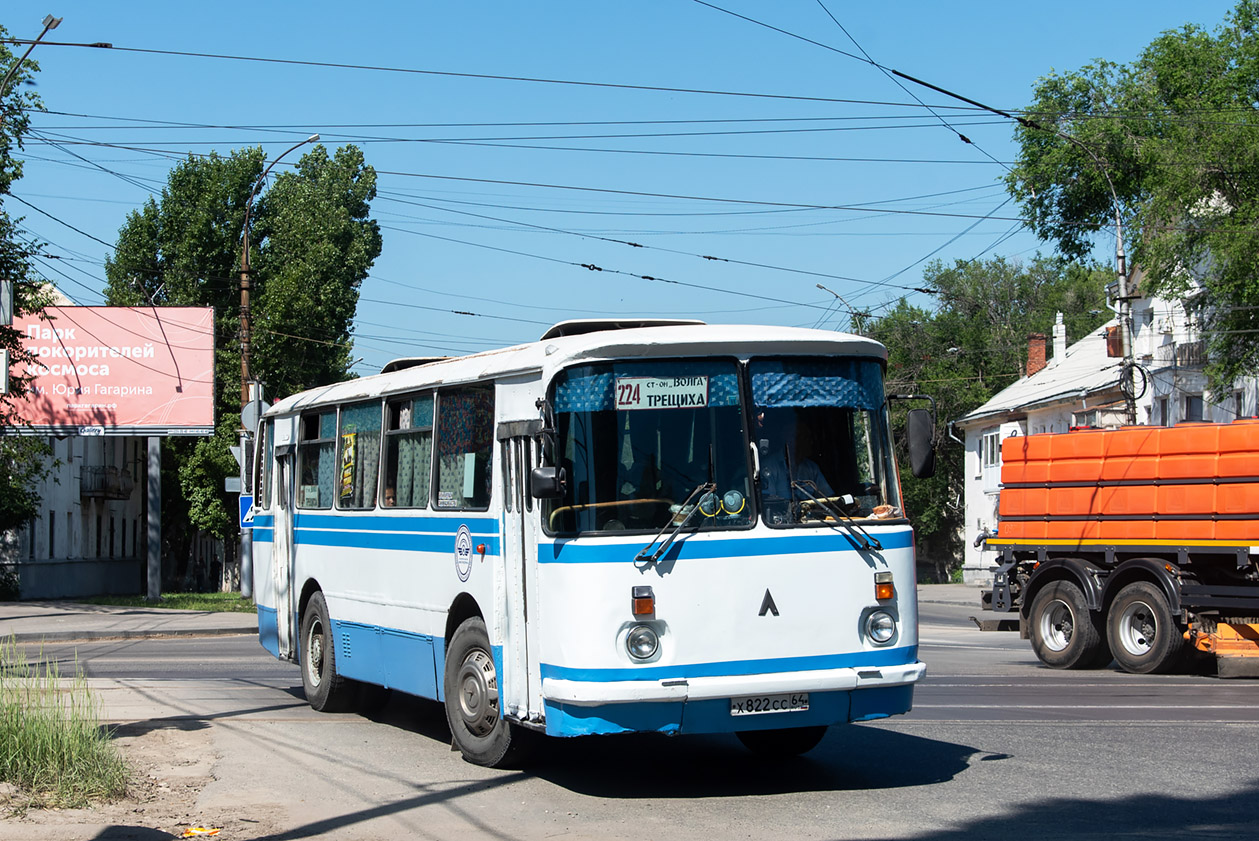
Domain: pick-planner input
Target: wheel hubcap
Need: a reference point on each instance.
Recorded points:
(314, 653)
(478, 693)
(1057, 624)
(1137, 629)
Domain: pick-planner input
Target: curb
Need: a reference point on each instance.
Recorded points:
(94, 636)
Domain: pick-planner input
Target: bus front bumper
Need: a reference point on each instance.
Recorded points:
(584, 693)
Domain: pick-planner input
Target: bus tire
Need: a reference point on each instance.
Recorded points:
(1065, 634)
(1143, 633)
(473, 710)
(326, 690)
(780, 744)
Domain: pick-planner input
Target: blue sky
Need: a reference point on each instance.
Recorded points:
(495, 191)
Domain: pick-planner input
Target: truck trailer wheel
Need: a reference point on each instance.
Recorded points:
(1065, 633)
(1143, 633)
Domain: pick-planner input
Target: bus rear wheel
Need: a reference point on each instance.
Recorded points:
(326, 690)
(473, 709)
(779, 744)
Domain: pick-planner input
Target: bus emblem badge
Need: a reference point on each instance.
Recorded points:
(463, 553)
(767, 604)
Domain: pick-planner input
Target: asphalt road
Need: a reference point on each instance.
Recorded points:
(996, 747)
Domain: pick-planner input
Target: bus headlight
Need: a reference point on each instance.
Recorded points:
(642, 642)
(880, 627)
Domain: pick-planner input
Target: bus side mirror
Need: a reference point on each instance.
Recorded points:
(920, 430)
(547, 482)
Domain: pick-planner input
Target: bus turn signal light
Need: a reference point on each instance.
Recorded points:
(883, 587)
(643, 601)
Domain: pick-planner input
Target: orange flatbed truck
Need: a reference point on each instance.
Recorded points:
(1139, 544)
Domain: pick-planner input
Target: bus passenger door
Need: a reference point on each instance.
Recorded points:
(521, 679)
(282, 550)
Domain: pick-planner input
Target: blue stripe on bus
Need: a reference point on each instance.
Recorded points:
(590, 551)
(374, 522)
(738, 668)
(404, 542)
(713, 716)
(363, 521)
(268, 629)
(413, 534)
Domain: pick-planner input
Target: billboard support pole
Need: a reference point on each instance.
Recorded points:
(155, 519)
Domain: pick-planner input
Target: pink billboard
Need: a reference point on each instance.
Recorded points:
(120, 371)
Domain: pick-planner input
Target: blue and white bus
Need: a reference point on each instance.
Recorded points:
(659, 526)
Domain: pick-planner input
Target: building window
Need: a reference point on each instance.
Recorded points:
(990, 458)
(1160, 412)
(1090, 419)
(991, 449)
(52, 534)
(1193, 407)
(1237, 404)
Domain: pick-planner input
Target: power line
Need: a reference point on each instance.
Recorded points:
(481, 76)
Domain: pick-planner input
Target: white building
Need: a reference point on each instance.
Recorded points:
(1079, 386)
(89, 537)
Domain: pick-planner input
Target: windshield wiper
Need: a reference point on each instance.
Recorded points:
(645, 554)
(863, 538)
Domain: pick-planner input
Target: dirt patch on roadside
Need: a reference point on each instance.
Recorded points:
(170, 768)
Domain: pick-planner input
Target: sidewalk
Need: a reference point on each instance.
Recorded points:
(60, 621)
(966, 595)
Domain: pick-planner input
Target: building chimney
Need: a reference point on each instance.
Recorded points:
(1035, 353)
(1060, 340)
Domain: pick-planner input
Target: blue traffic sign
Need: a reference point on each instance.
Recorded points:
(246, 511)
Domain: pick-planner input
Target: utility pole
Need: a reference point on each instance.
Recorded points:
(250, 392)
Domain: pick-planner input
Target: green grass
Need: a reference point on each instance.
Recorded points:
(213, 602)
(52, 746)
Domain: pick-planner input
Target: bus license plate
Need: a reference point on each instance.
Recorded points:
(792, 702)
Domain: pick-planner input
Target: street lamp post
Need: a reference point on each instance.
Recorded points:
(246, 392)
(855, 321)
(50, 23)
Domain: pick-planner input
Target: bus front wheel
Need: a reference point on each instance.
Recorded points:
(473, 707)
(778, 744)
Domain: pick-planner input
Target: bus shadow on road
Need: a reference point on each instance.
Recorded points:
(853, 757)
(656, 766)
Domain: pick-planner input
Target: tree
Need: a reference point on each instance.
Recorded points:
(24, 459)
(972, 345)
(1171, 144)
(311, 246)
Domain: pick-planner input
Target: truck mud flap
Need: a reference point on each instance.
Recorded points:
(995, 624)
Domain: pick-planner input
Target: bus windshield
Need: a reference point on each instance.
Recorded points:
(638, 438)
(822, 441)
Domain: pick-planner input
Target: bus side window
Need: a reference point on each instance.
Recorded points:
(263, 492)
(465, 437)
(316, 460)
(358, 455)
(408, 452)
